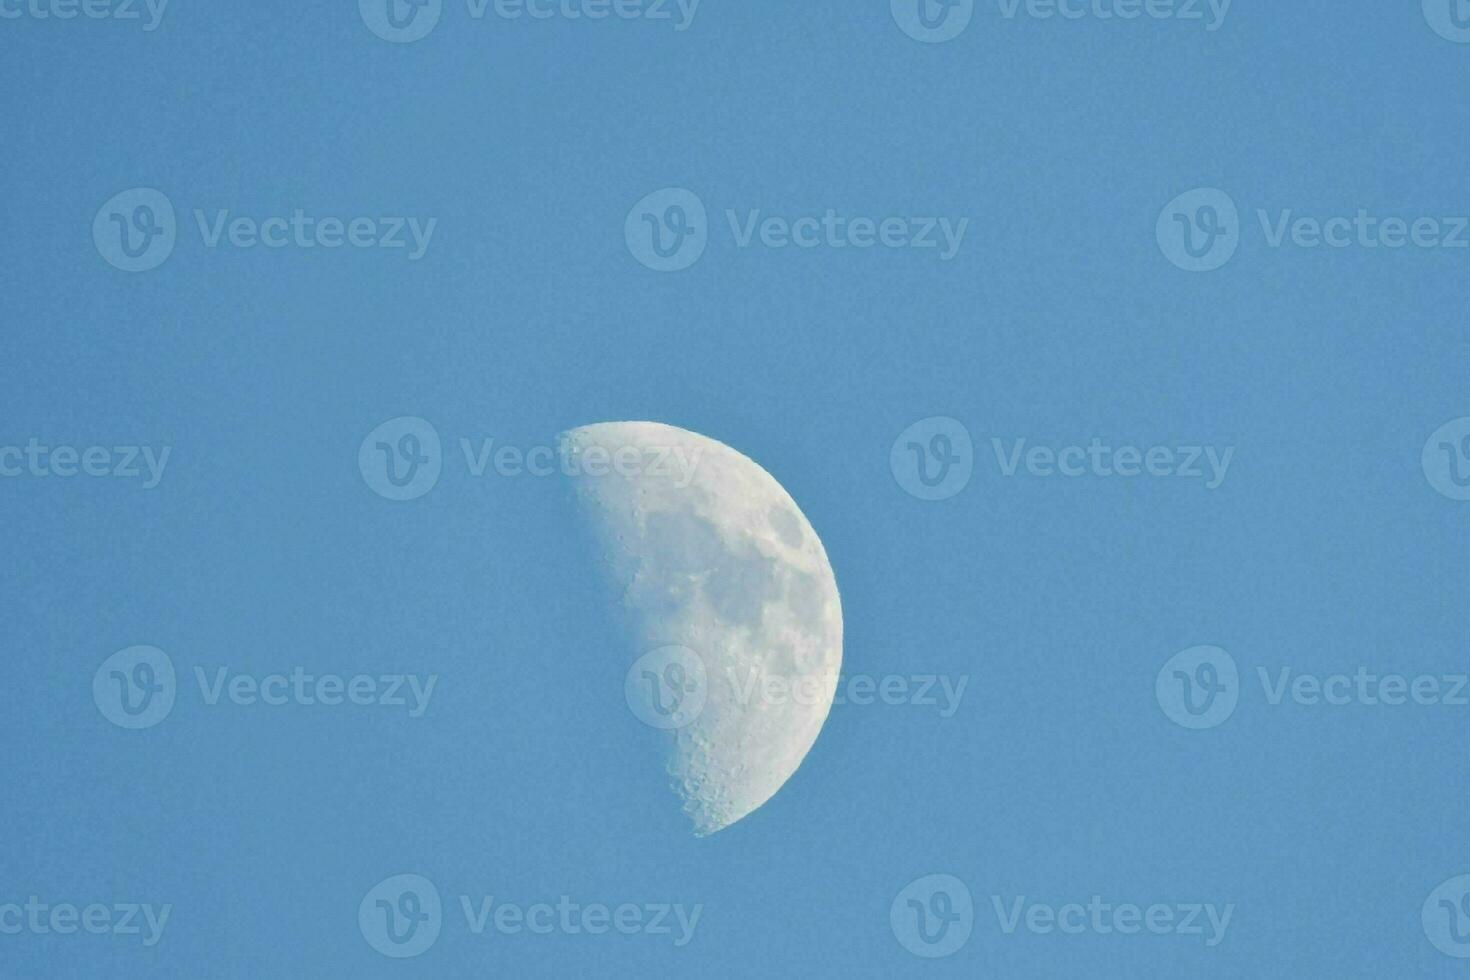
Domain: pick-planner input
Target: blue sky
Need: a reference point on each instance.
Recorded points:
(516, 158)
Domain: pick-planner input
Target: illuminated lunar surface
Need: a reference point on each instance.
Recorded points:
(711, 554)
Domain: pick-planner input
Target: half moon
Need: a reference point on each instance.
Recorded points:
(731, 601)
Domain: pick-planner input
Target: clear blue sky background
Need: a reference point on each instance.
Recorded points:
(1059, 320)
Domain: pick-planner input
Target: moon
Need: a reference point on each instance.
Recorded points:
(731, 603)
